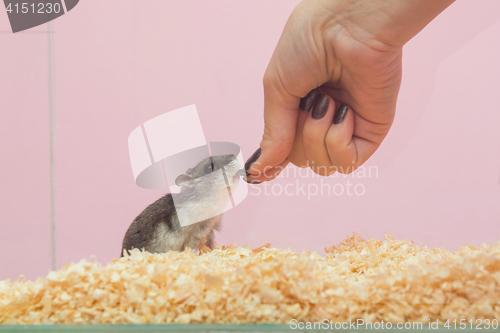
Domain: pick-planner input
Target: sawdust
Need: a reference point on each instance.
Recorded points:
(374, 280)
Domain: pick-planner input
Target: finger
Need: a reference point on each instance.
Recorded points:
(368, 136)
(297, 155)
(280, 120)
(340, 144)
(315, 130)
(269, 174)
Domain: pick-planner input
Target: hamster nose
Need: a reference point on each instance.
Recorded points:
(241, 172)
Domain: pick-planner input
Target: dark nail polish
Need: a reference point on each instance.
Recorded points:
(255, 156)
(255, 182)
(320, 107)
(307, 102)
(340, 114)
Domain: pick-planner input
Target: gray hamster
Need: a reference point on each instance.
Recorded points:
(158, 229)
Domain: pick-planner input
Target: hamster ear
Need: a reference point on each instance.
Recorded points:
(182, 179)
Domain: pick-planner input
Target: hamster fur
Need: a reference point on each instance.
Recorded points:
(203, 189)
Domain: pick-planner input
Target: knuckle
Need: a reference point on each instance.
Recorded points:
(268, 80)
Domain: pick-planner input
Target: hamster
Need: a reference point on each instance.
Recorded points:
(203, 191)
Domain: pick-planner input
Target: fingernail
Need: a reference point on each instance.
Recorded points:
(255, 156)
(320, 107)
(307, 102)
(340, 114)
(254, 182)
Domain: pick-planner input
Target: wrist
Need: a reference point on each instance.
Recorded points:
(383, 23)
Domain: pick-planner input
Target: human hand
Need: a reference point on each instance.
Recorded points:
(351, 51)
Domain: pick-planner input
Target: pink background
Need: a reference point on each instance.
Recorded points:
(119, 63)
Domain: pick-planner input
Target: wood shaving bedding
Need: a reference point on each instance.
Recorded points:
(374, 280)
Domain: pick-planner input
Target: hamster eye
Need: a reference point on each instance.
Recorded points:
(209, 167)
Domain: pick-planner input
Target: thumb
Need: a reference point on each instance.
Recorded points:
(280, 121)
